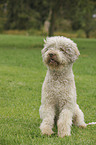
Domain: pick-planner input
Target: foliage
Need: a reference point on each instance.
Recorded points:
(80, 13)
(25, 14)
(2, 15)
(21, 76)
(28, 14)
(88, 23)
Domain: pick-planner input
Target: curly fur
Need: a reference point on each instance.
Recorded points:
(58, 90)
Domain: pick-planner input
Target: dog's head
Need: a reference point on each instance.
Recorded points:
(59, 51)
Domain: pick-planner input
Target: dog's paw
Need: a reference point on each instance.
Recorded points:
(46, 130)
(83, 125)
(63, 134)
(63, 131)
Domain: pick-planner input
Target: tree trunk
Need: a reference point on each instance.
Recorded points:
(52, 22)
(87, 34)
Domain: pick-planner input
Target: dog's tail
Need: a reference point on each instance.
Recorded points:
(91, 123)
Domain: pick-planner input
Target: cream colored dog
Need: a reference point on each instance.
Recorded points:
(58, 90)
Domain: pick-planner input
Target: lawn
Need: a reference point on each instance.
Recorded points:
(21, 76)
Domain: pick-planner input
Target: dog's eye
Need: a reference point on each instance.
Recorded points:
(68, 49)
(61, 49)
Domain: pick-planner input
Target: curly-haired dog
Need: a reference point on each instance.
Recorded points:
(58, 90)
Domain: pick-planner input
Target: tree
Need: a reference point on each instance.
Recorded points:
(18, 14)
(55, 7)
(2, 14)
(29, 14)
(79, 12)
(88, 23)
(26, 14)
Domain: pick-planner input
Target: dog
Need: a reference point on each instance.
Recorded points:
(58, 99)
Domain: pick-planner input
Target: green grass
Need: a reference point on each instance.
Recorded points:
(21, 76)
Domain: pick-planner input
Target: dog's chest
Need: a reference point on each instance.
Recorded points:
(58, 88)
(59, 92)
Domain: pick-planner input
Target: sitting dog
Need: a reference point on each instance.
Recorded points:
(58, 90)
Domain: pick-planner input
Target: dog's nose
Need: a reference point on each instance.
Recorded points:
(51, 54)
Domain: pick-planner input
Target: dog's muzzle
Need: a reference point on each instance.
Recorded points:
(52, 59)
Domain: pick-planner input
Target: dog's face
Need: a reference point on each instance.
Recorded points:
(59, 51)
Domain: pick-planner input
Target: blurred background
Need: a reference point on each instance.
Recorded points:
(71, 18)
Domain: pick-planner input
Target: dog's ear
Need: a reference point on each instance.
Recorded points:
(75, 55)
(44, 49)
(44, 41)
(45, 46)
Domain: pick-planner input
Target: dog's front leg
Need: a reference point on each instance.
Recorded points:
(47, 114)
(64, 123)
(78, 117)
